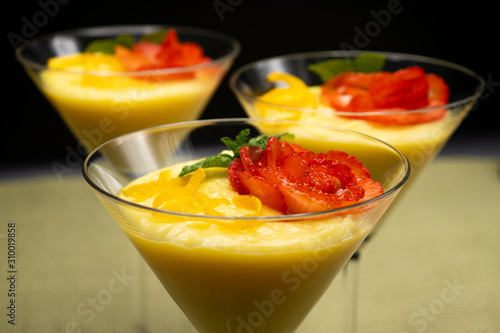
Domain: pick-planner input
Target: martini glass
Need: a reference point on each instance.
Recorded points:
(100, 105)
(240, 274)
(420, 142)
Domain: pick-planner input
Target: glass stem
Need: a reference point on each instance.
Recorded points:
(350, 277)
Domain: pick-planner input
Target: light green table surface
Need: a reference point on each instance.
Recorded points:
(434, 266)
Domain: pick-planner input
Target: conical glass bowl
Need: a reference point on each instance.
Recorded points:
(98, 105)
(232, 274)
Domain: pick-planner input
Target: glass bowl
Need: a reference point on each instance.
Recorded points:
(419, 142)
(98, 105)
(239, 272)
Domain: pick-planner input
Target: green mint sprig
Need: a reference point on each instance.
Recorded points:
(364, 63)
(107, 46)
(223, 160)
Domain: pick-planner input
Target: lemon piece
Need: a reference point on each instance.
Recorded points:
(86, 62)
(296, 94)
(141, 192)
(249, 203)
(183, 200)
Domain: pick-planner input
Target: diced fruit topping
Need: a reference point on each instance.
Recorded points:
(182, 195)
(171, 53)
(290, 179)
(159, 50)
(408, 89)
(360, 85)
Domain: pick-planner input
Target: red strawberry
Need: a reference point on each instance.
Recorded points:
(292, 180)
(267, 192)
(234, 169)
(356, 166)
(406, 89)
(170, 54)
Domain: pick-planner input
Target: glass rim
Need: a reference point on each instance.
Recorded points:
(98, 31)
(278, 218)
(478, 90)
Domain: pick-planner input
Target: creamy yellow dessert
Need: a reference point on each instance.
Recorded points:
(294, 100)
(98, 100)
(232, 275)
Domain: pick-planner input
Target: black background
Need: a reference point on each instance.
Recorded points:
(33, 134)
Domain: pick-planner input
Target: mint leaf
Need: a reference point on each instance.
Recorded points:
(107, 46)
(368, 63)
(330, 68)
(364, 63)
(223, 160)
(261, 140)
(156, 37)
(240, 141)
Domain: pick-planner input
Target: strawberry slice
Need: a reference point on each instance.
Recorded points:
(170, 54)
(132, 60)
(360, 171)
(268, 193)
(292, 180)
(406, 88)
(234, 169)
(297, 201)
(253, 158)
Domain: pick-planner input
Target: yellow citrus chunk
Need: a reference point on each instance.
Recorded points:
(198, 193)
(183, 200)
(141, 192)
(196, 178)
(238, 206)
(97, 65)
(182, 196)
(86, 62)
(249, 203)
(296, 94)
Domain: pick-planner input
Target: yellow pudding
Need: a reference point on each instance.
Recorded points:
(99, 102)
(240, 275)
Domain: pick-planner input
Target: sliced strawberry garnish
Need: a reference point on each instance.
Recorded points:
(404, 90)
(131, 61)
(439, 92)
(267, 192)
(170, 54)
(147, 49)
(295, 164)
(356, 166)
(234, 169)
(371, 188)
(296, 199)
(273, 151)
(292, 180)
(253, 159)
